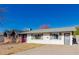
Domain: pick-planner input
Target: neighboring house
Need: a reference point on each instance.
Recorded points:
(61, 36)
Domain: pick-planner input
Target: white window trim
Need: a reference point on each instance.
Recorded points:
(59, 37)
(33, 38)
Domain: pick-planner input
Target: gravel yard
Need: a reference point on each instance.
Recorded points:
(7, 49)
(38, 49)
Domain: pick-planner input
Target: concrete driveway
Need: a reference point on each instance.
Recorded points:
(52, 50)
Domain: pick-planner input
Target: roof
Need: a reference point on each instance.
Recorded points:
(52, 30)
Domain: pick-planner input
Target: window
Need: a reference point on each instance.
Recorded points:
(54, 36)
(37, 36)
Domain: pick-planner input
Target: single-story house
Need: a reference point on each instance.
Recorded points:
(61, 36)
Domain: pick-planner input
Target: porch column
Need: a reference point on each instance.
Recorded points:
(62, 36)
(29, 38)
(71, 38)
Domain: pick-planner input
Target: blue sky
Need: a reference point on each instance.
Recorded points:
(20, 16)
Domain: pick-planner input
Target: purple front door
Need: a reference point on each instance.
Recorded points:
(23, 39)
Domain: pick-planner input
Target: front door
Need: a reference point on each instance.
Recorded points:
(24, 38)
(67, 38)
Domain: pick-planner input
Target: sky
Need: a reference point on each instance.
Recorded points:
(22, 16)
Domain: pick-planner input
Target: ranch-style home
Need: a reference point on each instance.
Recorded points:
(61, 36)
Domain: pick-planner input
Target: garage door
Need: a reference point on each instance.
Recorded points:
(67, 38)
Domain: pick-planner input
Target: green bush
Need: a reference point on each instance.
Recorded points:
(77, 31)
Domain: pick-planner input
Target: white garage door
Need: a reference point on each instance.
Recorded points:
(67, 38)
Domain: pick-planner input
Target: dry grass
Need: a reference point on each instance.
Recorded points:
(8, 49)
